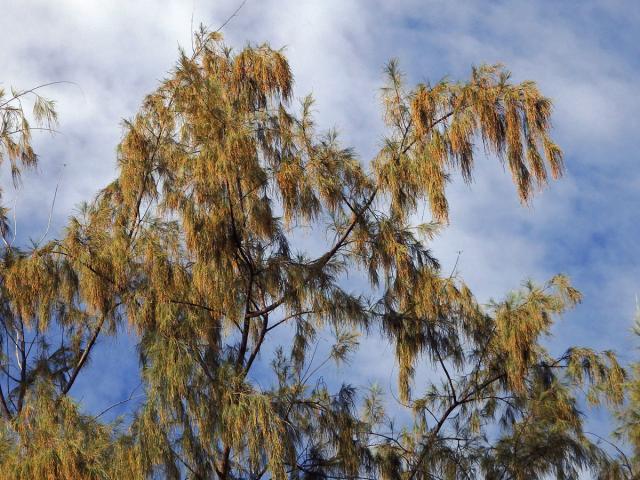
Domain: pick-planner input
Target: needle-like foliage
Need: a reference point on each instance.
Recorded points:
(194, 246)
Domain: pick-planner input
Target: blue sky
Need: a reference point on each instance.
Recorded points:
(583, 54)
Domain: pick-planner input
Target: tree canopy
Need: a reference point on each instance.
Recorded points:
(195, 246)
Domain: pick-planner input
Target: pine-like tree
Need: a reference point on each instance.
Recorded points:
(194, 246)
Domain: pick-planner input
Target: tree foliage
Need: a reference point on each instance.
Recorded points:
(194, 247)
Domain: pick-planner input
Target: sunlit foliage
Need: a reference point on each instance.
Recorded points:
(193, 247)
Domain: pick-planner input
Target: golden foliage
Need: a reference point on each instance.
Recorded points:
(194, 244)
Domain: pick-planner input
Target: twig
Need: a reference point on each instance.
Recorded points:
(53, 202)
(626, 463)
(121, 402)
(32, 90)
(234, 14)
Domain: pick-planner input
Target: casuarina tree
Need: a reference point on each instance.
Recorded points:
(196, 246)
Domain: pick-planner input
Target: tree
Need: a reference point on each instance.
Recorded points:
(42, 432)
(16, 147)
(194, 246)
(626, 449)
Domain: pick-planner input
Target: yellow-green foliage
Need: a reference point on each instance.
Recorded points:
(51, 440)
(15, 128)
(435, 128)
(15, 136)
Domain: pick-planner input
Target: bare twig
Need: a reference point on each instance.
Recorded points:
(122, 402)
(53, 202)
(233, 15)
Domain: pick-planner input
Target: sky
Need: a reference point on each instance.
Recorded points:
(583, 54)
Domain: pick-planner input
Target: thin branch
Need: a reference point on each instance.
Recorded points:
(626, 463)
(256, 349)
(121, 402)
(32, 90)
(233, 15)
(265, 310)
(83, 357)
(23, 365)
(434, 432)
(324, 259)
(53, 202)
(289, 317)
(183, 462)
(5, 407)
(446, 372)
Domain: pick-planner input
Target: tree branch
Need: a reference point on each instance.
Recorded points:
(5, 407)
(83, 357)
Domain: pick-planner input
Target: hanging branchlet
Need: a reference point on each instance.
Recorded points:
(436, 128)
(16, 129)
